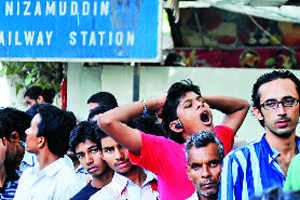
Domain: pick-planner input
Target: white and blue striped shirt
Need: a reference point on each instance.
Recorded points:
(250, 170)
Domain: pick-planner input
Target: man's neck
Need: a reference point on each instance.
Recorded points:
(287, 148)
(45, 158)
(20, 155)
(282, 145)
(103, 179)
(136, 175)
(201, 197)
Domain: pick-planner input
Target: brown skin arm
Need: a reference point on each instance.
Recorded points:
(235, 109)
(113, 122)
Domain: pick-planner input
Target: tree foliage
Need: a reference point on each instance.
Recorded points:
(44, 74)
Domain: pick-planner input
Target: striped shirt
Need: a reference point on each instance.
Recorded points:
(250, 170)
(9, 190)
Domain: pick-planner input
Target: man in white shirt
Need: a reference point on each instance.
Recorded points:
(130, 181)
(204, 154)
(47, 138)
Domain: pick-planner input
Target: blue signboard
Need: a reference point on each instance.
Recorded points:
(80, 30)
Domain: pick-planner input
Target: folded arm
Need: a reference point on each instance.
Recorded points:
(113, 122)
(235, 109)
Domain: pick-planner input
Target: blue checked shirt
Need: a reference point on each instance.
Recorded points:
(250, 170)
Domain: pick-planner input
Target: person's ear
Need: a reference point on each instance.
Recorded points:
(188, 171)
(176, 126)
(40, 99)
(257, 113)
(14, 137)
(42, 142)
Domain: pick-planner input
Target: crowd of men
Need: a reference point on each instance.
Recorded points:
(165, 148)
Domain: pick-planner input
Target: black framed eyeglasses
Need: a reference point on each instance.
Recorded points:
(274, 104)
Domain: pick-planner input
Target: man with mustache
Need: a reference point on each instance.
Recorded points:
(261, 165)
(185, 112)
(129, 181)
(204, 154)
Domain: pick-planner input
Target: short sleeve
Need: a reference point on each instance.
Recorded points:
(226, 136)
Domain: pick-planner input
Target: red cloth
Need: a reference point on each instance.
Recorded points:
(63, 90)
(166, 159)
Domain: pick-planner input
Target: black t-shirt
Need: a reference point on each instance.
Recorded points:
(85, 193)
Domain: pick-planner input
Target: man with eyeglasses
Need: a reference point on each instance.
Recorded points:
(261, 165)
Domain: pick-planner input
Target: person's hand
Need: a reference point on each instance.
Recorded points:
(162, 101)
(97, 118)
(3, 149)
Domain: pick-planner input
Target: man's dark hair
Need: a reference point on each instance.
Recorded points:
(268, 77)
(202, 139)
(99, 109)
(48, 95)
(11, 120)
(56, 125)
(85, 130)
(147, 123)
(169, 114)
(103, 98)
(35, 91)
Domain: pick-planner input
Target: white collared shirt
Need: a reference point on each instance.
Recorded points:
(56, 181)
(122, 188)
(193, 197)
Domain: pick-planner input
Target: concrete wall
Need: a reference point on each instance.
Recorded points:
(236, 82)
(82, 82)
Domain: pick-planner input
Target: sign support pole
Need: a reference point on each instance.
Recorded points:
(136, 81)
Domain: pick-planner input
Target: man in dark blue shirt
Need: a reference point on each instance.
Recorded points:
(85, 143)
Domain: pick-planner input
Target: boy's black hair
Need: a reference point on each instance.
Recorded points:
(35, 91)
(11, 120)
(85, 130)
(56, 125)
(169, 114)
(103, 98)
(99, 109)
(148, 123)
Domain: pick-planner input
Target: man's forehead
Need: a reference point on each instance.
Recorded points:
(189, 95)
(278, 89)
(108, 142)
(204, 154)
(92, 105)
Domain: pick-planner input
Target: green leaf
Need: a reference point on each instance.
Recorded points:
(28, 80)
(18, 87)
(17, 69)
(270, 62)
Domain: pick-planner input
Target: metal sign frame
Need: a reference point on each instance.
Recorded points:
(22, 20)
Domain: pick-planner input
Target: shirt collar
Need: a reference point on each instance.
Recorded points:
(51, 169)
(121, 182)
(29, 159)
(273, 153)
